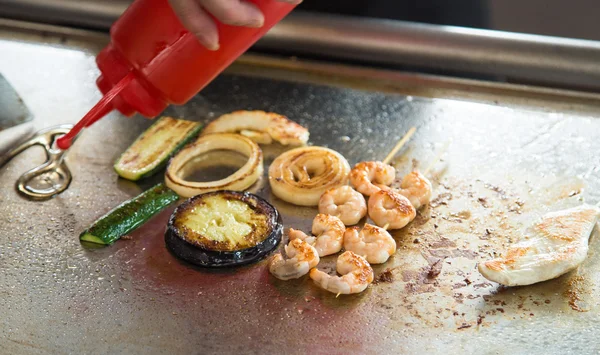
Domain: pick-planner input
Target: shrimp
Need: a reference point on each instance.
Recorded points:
(302, 257)
(365, 174)
(417, 188)
(344, 203)
(260, 126)
(329, 231)
(388, 207)
(356, 273)
(374, 243)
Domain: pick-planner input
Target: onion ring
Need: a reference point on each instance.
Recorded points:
(260, 126)
(238, 181)
(300, 176)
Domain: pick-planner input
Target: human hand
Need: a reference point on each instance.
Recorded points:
(194, 15)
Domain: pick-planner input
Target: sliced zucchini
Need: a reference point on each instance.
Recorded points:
(223, 228)
(153, 148)
(129, 215)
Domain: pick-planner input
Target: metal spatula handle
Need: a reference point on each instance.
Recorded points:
(50, 178)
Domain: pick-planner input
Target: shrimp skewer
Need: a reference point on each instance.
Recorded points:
(391, 209)
(328, 231)
(301, 258)
(373, 178)
(416, 187)
(395, 208)
(368, 177)
(374, 243)
(345, 203)
(356, 273)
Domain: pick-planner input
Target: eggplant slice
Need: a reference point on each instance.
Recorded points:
(223, 229)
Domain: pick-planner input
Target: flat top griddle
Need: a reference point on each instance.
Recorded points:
(507, 164)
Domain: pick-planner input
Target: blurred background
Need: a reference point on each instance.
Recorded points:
(575, 19)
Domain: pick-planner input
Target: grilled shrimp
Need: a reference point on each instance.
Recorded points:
(344, 203)
(416, 188)
(388, 207)
(301, 258)
(356, 273)
(367, 175)
(374, 243)
(260, 126)
(328, 231)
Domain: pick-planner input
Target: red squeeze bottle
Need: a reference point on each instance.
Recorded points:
(153, 61)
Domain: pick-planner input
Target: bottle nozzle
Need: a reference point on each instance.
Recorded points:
(101, 109)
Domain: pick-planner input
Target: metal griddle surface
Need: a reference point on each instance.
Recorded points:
(504, 167)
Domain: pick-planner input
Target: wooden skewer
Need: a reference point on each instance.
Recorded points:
(391, 155)
(399, 145)
(437, 158)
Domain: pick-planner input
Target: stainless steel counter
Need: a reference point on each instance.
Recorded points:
(515, 153)
(517, 57)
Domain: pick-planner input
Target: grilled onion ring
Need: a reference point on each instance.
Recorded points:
(300, 176)
(238, 181)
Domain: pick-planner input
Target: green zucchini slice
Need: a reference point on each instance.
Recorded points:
(129, 215)
(153, 148)
(223, 228)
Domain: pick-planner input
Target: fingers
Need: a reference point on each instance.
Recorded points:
(194, 15)
(234, 12)
(197, 21)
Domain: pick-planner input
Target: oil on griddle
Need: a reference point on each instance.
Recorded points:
(503, 168)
